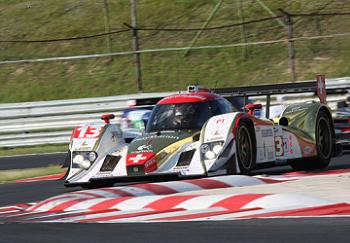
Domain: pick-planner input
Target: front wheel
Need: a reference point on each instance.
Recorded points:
(324, 146)
(245, 148)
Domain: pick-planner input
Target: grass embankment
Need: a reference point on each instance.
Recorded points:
(18, 174)
(166, 71)
(33, 150)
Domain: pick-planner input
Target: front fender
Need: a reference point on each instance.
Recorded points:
(219, 129)
(105, 139)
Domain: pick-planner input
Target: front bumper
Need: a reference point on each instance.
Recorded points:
(160, 177)
(150, 177)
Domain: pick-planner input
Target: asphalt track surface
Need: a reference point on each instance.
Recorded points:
(250, 230)
(31, 161)
(257, 230)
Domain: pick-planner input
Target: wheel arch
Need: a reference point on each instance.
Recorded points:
(251, 128)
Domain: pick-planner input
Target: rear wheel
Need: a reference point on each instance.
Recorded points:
(324, 146)
(245, 151)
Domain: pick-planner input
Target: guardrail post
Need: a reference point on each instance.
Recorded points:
(135, 43)
(291, 49)
(107, 26)
(243, 32)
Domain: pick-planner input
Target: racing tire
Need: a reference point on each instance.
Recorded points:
(324, 146)
(245, 147)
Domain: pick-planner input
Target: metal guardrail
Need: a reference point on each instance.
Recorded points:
(51, 122)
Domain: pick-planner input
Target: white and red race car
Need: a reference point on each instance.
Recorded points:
(198, 134)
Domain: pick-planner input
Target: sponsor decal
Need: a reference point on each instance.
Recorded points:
(296, 108)
(83, 145)
(151, 165)
(145, 148)
(157, 137)
(291, 144)
(266, 133)
(278, 130)
(216, 136)
(183, 168)
(215, 139)
(220, 121)
(308, 150)
(270, 154)
(103, 174)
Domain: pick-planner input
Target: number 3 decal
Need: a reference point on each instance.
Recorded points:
(279, 146)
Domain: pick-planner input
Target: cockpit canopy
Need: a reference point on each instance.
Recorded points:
(185, 116)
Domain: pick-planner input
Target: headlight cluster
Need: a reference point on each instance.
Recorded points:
(84, 159)
(211, 150)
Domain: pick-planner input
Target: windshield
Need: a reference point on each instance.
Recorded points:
(184, 116)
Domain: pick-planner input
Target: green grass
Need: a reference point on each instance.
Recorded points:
(18, 174)
(166, 71)
(33, 150)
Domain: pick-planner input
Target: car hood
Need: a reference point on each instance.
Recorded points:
(155, 142)
(148, 153)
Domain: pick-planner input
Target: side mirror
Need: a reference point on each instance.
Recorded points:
(107, 117)
(252, 107)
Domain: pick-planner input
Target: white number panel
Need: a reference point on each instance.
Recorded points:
(286, 144)
(265, 144)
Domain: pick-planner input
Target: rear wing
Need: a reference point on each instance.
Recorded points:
(318, 87)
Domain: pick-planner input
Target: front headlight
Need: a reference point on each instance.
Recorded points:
(85, 164)
(217, 148)
(204, 148)
(77, 159)
(211, 150)
(92, 156)
(83, 159)
(209, 155)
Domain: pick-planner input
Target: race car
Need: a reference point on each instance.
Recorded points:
(132, 122)
(197, 134)
(341, 119)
